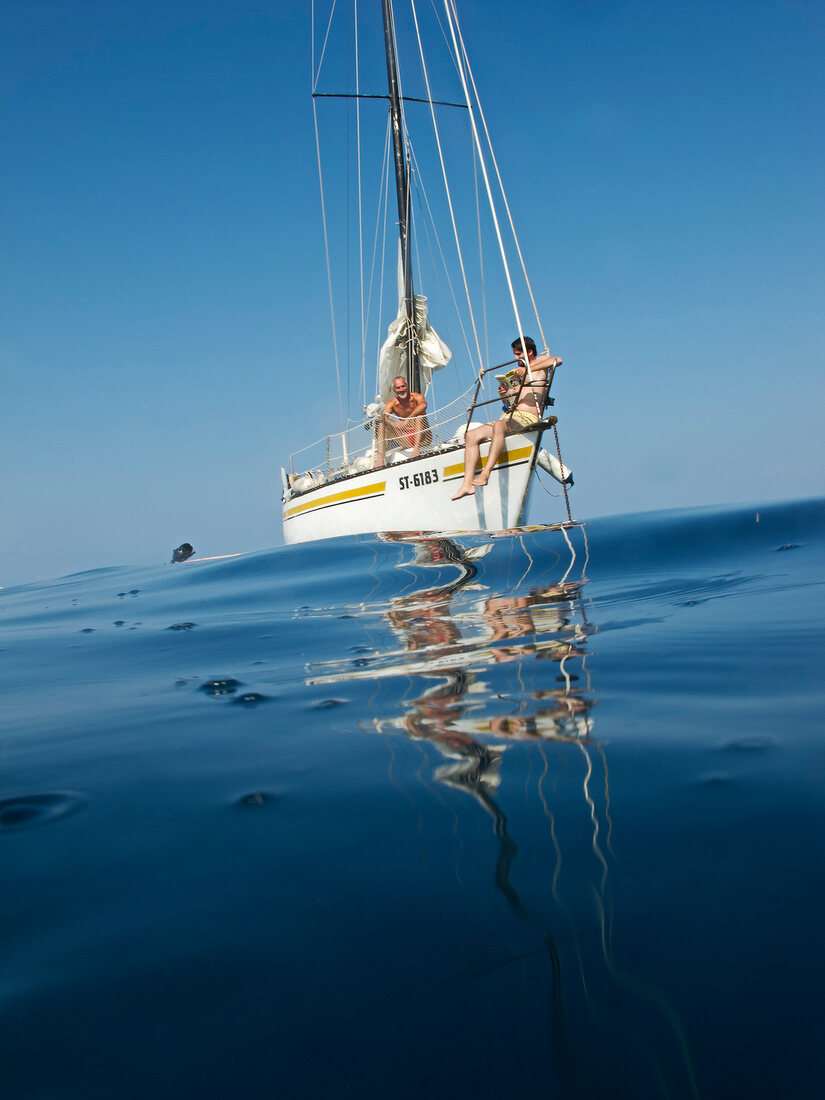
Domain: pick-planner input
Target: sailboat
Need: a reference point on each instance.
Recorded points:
(385, 474)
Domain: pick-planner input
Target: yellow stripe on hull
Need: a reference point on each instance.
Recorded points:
(506, 458)
(415, 495)
(337, 498)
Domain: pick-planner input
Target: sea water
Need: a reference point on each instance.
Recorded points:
(537, 815)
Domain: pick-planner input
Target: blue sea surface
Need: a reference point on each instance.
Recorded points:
(540, 815)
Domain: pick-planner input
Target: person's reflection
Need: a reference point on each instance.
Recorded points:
(444, 715)
(424, 621)
(424, 618)
(566, 720)
(436, 717)
(543, 624)
(489, 676)
(544, 614)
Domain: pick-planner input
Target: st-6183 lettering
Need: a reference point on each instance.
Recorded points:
(426, 477)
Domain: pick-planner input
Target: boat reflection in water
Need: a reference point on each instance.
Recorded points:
(501, 643)
(546, 623)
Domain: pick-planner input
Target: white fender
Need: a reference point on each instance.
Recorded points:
(563, 474)
(462, 431)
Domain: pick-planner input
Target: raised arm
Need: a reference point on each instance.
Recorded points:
(545, 362)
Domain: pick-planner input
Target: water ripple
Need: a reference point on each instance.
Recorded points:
(28, 811)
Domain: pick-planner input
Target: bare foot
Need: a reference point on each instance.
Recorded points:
(481, 481)
(464, 491)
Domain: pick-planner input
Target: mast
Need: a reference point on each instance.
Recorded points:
(402, 188)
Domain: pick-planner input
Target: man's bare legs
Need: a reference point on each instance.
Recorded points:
(388, 429)
(496, 447)
(412, 432)
(472, 441)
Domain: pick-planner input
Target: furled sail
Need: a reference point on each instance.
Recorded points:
(433, 353)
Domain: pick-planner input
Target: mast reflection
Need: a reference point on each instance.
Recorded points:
(493, 656)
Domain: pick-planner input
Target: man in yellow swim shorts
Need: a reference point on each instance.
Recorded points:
(532, 379)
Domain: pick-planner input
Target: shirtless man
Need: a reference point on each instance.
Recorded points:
(406, 406)
(533, 373)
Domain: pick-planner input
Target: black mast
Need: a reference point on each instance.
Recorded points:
(402, 187)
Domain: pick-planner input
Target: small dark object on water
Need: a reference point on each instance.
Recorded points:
(250, 699)
(221, 687)
(184, 551)
(255, 799)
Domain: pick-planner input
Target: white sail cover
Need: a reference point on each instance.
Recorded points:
(433, 353)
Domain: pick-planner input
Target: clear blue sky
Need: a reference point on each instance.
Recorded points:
(163, 290)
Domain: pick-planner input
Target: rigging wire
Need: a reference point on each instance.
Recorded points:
(480, 256)
(417, 188)
(448, 334)
(450, 10)
(317, 74)
(329, 267)
(382, 235)
(360, 192)
(421, 192)
(348, 230)
(446, 182)
(500, 183)
(383, 245)
(446, 39)
(460, 60)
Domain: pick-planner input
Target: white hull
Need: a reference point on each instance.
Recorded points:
(416, 496)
